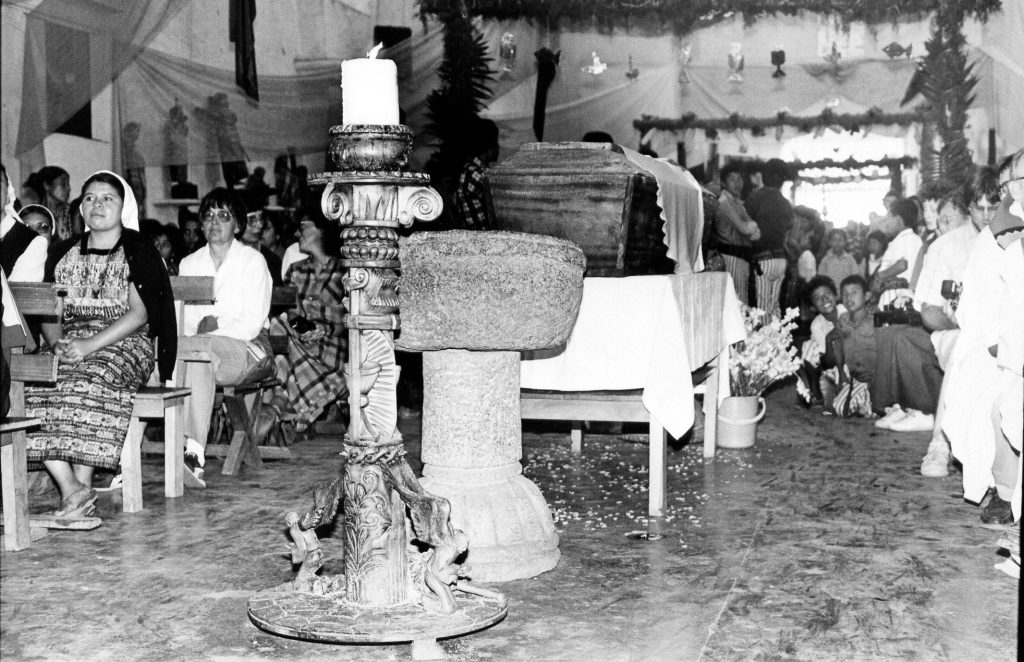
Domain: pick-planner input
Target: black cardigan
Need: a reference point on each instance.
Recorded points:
(147, 273)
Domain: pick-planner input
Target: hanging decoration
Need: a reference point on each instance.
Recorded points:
(547, 64)
(736, 63)
(832, 67)
(596, 67)
(684, 62)
(834, 56)
(895, 50)
(661, 17)
(507, 53)
(852, 122)
(632, 73)
(778, 59)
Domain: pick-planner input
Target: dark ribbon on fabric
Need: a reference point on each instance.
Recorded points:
(241, 14)
(547, 63)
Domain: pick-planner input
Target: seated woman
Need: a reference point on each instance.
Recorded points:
(892, 282)
(316, 338)
(875, 246)
(40, 219)
(118, 298)
(164, 238)
(22, 249)
(235, 324)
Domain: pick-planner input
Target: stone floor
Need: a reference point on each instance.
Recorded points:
(821, 543)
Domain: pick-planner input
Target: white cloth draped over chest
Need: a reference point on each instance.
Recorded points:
(640, 333)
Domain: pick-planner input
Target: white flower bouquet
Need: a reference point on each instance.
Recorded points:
(767, 355)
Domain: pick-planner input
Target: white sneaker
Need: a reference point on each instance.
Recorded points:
(914, 421)
(116, 483)
(892, 414)
(936, 461)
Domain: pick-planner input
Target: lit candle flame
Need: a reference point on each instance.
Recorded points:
(372, 53)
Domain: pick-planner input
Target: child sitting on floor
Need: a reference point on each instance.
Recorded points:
(850, 351)
(820, 295)
(839, 358)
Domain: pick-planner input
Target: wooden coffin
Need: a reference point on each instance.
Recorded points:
(588, 193)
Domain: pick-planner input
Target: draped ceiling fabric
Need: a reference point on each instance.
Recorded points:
(297, 110)
(1001, 71)
(293, 111)
(117, 30)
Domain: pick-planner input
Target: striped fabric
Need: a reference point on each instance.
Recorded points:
(769, 284)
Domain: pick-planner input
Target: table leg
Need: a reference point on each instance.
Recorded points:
(657, 452)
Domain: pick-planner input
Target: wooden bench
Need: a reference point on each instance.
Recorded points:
(18, 534)
(151, 402)
(698, 294)
(243, 402)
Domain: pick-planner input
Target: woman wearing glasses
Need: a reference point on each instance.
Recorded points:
(316, 338)
(236, 322)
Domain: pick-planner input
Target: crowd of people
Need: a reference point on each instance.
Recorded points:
(916, 321)
(117, 328)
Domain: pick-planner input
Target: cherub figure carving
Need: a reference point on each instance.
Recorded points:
(441, 573)
(305, 546)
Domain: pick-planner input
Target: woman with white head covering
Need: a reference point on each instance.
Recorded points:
(118, 297)
(22, 251)
(40, 219)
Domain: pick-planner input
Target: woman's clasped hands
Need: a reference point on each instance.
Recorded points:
(72, 350)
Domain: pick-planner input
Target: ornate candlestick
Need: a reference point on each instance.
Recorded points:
(390, 590)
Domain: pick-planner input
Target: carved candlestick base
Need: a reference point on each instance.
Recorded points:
(399, 550)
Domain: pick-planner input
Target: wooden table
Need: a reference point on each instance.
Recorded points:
(634, 353)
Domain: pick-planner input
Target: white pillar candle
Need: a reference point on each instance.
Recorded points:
(369, 91)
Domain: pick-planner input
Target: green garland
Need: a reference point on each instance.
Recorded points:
(683, 16)
(853, 164)
(757, 125)
(842, 179)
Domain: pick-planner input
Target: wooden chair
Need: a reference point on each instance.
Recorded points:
(151, 402)
(698, 294)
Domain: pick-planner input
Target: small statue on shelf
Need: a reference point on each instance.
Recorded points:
(176, 144)
(134, 163)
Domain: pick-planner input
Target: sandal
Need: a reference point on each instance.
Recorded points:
(80, 504)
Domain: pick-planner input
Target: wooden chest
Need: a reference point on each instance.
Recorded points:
(590, 194)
